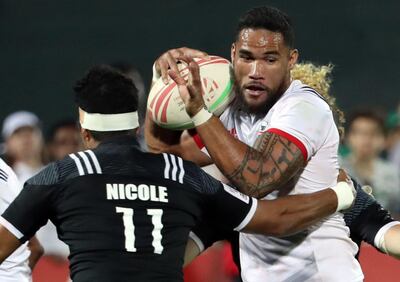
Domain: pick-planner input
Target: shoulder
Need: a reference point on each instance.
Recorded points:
(5, 171)
(8, 177)
(47, 176)
(189, 174)
(57, 172)
(300, 94)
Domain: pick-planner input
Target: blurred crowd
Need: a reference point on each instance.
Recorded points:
(370, 151)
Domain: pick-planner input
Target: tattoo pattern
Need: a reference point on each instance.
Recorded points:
(268, 166)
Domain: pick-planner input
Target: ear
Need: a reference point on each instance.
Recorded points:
(293, 57)
(86, 136)
(233, 52)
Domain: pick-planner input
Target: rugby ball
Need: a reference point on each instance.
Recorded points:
(166, 107)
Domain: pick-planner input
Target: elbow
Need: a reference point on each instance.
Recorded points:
(36, 248)
(38, 251)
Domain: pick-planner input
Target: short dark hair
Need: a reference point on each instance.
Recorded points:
(105, 90)
(133, 73)
(269, 18)
(373, 115)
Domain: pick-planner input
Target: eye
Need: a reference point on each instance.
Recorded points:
(245, 57)
(271, 60)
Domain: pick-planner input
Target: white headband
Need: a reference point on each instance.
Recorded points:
(109, 122)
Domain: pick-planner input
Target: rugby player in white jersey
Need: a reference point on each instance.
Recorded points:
(17, 267)
(279, 137)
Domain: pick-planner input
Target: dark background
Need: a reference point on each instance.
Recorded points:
(46, 45)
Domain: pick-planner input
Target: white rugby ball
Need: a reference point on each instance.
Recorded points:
(166, 106)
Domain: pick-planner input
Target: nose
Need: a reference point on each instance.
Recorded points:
(256, 72)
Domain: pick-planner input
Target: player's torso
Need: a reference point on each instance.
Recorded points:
(305, 256)
(321, 169)
(134, 222)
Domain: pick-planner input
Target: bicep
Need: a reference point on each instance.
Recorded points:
(191, 252)
(269, 165)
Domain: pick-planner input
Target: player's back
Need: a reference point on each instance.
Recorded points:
(126, 215)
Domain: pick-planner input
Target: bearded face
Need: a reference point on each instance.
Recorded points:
(262, 64)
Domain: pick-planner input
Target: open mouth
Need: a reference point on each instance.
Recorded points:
(255, 89)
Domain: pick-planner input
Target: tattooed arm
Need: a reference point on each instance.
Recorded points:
(257, 171)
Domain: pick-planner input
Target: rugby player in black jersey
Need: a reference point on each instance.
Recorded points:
(126, 215)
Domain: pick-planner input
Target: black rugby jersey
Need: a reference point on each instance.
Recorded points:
(125, 214)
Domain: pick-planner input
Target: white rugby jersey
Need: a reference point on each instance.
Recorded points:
(323, 252)
(15, 268)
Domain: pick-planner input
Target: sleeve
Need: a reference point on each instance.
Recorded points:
(303, 122)
(32, 207)
(207, 232)
(367, 217)
(226, 205)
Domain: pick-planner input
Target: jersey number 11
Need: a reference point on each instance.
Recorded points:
(127, 217)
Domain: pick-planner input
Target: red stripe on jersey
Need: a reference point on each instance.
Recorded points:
(292, 139)
(198, 141)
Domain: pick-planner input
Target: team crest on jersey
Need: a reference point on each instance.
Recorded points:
(263, 127)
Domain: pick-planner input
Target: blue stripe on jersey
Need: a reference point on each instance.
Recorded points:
(3, 175)
(308, 88)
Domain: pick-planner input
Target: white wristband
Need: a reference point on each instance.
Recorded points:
(201, 117)
(345, 194)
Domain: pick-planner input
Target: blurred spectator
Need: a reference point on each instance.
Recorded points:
(23, 144)
(63, 139)
(130, 71)
(366, 140)
(23, 147)
(393, 143)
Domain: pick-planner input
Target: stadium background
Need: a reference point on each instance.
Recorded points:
(46, 45)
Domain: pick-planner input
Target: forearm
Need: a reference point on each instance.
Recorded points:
(291, 214)
(8, 243)
(254, 171)
(159, 139)
(36, 251)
